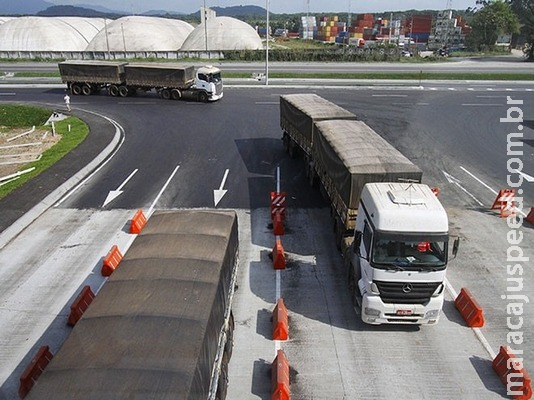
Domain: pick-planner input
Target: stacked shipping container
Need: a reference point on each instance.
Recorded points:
(308, 28)
(329, 28)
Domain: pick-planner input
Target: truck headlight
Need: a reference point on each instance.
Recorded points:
(438, 290)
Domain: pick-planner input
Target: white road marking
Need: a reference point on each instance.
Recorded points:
(151, 209)
(457, 182)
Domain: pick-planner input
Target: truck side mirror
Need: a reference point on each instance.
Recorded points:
(357, 241)
(455, 246)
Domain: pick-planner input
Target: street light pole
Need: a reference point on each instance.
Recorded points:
(267, 46)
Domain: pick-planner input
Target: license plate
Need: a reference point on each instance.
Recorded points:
(404, 312)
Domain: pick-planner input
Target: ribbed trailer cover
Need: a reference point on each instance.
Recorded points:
(354, 154)
(92, 71)
(160, 75)
(152, 330)
(298, 112)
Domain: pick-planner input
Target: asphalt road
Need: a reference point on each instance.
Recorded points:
(452, 132)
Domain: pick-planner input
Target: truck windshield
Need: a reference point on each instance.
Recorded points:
(410, 252)
(215, 78)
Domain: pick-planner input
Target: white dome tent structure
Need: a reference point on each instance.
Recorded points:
(138, 33)
(222, 33)
(48, 33)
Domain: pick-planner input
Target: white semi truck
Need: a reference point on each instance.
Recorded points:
(171, 81)
(378, 204)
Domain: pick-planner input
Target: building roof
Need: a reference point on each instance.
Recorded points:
(223, 33)
(48, 33)
(138, 33)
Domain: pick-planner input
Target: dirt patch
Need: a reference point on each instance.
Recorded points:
(19, 147)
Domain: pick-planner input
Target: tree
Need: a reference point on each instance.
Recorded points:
(495, 18)
(524, 9)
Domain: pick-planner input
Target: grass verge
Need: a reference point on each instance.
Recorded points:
(73, 131)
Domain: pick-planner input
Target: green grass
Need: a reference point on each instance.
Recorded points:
(470, 76)
(27, 116)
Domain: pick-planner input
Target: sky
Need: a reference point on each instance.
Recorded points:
(275, 6)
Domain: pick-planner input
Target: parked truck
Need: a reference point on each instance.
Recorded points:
(169, 80)
(161, 326)
(376, 198)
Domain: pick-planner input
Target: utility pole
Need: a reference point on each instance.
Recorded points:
(205, 11)
(267, 46)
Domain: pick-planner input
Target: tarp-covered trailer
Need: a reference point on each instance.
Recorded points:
(347, 154)
(160, 75)
(298, 112)
(88, 76)
(161, 327)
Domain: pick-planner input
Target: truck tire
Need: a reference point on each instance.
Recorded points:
(166, 94)
(124, 91)
(202, 97)
(113, 90)
(176, 94)
(76, 89)
(292, 149)
(87, 90)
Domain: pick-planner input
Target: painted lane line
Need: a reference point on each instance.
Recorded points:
(8, 94)
(390, 95)
(113, 194)
(153, 205)
(454, 294)
(219, 194)
(457, 182)
(479, 180)
(492, 190)
(527, 177)
(481, 105)
(118, 130)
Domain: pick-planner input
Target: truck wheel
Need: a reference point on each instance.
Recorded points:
(166, 94)
(203, 97)
(123, 91)
(176, 94)
(86, 90)
(113, 91)
(76, 89)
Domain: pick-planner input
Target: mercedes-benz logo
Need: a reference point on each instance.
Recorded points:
(407, 288)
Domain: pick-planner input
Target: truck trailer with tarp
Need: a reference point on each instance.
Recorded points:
(161, 327)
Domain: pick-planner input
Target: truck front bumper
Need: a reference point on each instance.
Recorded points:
(376, 312)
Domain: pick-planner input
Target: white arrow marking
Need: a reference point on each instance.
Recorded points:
(457, 182)
(528, 178)
(218, 194)
(113, 194)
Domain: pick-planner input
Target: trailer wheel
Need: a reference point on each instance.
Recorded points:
(166, 94)
(292, 148)
(203, 97)
(86, 90)
(113, 90)
(76, 88)
(176, 94)
(123, 91)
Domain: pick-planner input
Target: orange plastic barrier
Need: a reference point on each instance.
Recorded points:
(138, 222)
(530, 216)
(111, 261)
(513, 375)
(280, 377)
(435, 190)
(279, 257)
(280, 321)
(278, 202)
(34, 370)
(469, 309)
(505, 202)
(79, 305)
(278, 223)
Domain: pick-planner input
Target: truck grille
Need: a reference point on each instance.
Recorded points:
(406, 292)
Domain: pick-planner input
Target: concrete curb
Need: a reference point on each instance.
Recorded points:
(15, 229)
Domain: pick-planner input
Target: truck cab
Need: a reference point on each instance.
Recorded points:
(399, 255)
(208, 79)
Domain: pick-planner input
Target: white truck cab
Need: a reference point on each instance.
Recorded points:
(208, 78)
(399, 254)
